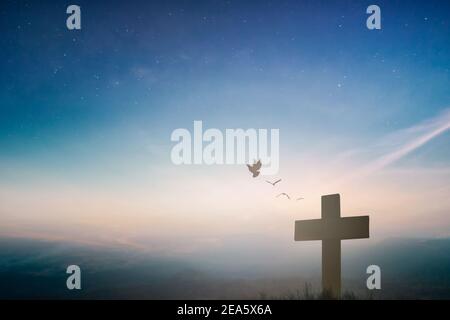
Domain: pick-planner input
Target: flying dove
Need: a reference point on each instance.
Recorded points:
(274, 183)
(284, 194)
(254, 169)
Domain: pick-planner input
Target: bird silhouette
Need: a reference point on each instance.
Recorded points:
(300, 198)
(284, 194)
(274, 183)
(254, 169)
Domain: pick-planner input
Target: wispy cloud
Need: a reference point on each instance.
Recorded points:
(412, 138)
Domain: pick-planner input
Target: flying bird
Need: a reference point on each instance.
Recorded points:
(300, 198)
(274, 183)
(284, 194)
(254, 169)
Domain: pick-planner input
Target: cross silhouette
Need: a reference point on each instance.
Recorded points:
(331, 229)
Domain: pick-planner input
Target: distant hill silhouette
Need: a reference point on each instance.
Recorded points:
(411, 268)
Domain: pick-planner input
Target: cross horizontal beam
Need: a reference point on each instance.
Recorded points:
(332, 228)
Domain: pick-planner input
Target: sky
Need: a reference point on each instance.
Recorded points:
(86, 117)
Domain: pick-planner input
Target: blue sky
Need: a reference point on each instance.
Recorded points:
(95, 108)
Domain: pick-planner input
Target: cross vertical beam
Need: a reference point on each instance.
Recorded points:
(331, 248)
(331, 267)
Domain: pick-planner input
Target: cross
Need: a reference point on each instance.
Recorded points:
(331, 229)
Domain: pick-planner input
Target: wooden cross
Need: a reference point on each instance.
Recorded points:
(331, 229)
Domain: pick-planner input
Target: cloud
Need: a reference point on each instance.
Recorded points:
(413, 138)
